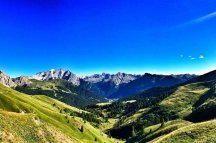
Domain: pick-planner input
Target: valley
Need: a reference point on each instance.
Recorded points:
(56, 109)
(107, 71)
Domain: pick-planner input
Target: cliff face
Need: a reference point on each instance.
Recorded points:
(6, 80)
(57, 74)
(22, 80)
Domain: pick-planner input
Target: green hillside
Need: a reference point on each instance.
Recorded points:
(204, 132)
(182, 100)
(154, 114)
(182, 113)
(27, 118)
(16, 127)
(149, 133)
(61, 90)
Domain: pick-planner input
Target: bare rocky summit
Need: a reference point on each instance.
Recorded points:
(116, 79)
(57, 74)
(6, 80)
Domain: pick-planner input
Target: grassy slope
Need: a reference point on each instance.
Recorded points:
(134, 117)
(42, 107)
(157, 130)
(196, 133)
(62, 91)
(177, 105)
(16, 127)
(181, 101)
(174, 107)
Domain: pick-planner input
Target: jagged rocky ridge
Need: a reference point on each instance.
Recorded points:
(57, 74)
(106, 85)
(114, 85)
(148, 81)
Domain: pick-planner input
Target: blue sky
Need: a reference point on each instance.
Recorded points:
(94, 36)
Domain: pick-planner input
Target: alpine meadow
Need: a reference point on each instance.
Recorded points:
(108, 71)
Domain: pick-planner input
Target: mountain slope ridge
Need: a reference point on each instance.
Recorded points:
(114, 85)
(50, 113)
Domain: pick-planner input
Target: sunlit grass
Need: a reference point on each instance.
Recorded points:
(48, 111)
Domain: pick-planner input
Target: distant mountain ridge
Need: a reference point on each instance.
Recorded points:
(148, 81)
(57, 74)
(205, 77)
(102, 84)
(114, 85)
(107, 84)
(208, 78)
(117, 79)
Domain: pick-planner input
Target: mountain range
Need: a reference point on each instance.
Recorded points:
(102, 84)
(114, 85)
(105, 85)
(163, 109)
(180, 113)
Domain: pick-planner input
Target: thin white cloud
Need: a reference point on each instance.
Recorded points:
(205, 17)
(192, 57)
(201, 57)
(199, 19)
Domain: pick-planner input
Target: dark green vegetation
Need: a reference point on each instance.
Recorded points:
(165, 114)
(62, 91)
(180, 113)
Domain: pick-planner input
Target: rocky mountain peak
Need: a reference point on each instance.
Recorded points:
(116, 79)
(121, 78)
(6, 80)
(57, 74)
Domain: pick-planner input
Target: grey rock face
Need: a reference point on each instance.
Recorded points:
(57, 74)
(106, 84)
(148, 81)
(116, 79)
(22, 80)
(6, 80)
(114, 85)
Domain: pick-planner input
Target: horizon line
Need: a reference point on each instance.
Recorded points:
(81, 74)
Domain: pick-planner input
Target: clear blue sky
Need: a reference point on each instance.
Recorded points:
(94, 36)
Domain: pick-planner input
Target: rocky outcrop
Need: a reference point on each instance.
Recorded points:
(22, 81)
(6, 80)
